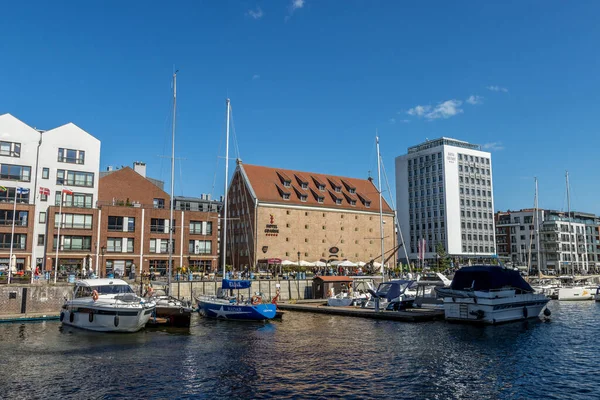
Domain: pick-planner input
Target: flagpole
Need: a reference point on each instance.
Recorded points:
(58, 236)
(12, 236)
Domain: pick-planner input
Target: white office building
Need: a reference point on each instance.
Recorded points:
(444, 191)
(63, 157)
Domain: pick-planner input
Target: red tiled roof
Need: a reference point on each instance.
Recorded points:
(268, 187)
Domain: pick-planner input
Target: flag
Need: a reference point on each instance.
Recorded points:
(45, 191)
(67, 191)
(3, 189)
(21, 190)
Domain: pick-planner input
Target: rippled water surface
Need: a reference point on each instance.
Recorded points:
(310, 356)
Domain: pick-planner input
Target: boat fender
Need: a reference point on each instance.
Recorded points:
(474, 300)
(256, 300)
(91, 317)
(62, 316)
(547, 312)
(71, 316)
(116, 320)
(95, 295)
(180, 310)
(525, 313)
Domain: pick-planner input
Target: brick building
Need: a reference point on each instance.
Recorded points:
(285, 214)
(129, 230)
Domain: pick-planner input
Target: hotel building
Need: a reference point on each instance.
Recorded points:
(275, 213)
(444, 191)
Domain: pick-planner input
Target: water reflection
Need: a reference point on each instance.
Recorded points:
(316, 356)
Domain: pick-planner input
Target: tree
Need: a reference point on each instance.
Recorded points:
(443, 261)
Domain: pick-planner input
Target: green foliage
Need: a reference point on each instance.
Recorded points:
(443, 260)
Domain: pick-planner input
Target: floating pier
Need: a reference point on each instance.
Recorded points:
(409, 315)
(32, 317)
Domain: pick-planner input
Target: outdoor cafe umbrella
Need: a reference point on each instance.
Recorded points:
(347, 263)
(304, 263)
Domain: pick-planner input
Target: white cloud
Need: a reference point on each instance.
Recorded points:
(257, 13)
(255, 77)
(497, 89)
(418, 111)
(296, 4)
(493, 146)
(474, 99)
(446, 109)
(392, 121)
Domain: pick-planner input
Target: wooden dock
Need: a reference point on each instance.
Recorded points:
(410, 315)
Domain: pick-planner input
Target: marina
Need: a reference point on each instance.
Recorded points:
(310, 355)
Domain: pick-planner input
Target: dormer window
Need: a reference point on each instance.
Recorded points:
(338, 201)
(286, 196)
(287, 183)
(352, 190)
(305, 186)
(338, 189)
(367, 204)
(322, 188)
(303, 197)
(320, 199)
(352, 202)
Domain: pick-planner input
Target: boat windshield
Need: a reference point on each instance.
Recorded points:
(113, 289)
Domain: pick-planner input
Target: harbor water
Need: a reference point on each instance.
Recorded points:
(310, 356)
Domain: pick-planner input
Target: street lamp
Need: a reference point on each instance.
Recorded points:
(102, 251)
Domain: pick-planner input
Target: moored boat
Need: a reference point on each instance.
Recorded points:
(106, 305)
(227, 306)
(174, 311)
(490, 295)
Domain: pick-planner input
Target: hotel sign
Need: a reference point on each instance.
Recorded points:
(451, 157)
(271, 229)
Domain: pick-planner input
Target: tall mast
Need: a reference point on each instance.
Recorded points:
(537, 226)
(171, 227)
(569, 214)
(224, 245)
(380, 209)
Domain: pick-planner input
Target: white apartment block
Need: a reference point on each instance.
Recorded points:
(444, 190)
(63, 157)
(516, 238)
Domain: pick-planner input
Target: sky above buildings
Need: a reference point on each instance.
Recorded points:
(311, 81)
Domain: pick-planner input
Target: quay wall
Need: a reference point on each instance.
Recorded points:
(28, 299)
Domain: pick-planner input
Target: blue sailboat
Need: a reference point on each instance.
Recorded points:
(225, 305)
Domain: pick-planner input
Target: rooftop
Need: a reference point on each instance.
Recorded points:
(443, 141)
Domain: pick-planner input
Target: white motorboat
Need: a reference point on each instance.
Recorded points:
(393, 295)
(106, 305)
(490, 295)
(575, 293)
(357, 295)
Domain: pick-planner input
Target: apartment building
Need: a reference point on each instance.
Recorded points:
(275, 213)
(42, 163)
(516, 236)
(444, 191)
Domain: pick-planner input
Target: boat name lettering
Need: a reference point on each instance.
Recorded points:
(234, 309)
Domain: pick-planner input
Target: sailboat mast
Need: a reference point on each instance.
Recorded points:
(380, 211)
(570, 227)
(537, 226)
(171, 227)
(224, 244)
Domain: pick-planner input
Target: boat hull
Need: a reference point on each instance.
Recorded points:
(574, 294)
(494, 310)
(345, 302)
(237, 312)
(178, 316)
(106, 320)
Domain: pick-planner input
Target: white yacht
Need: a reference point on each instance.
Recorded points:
(357, 295)
(106, 305)
(490, 295)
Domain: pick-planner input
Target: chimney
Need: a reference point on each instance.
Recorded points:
(140, 168)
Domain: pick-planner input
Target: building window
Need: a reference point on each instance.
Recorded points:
(159, 225)
(320, 199)
(42, 217)
(114, 245)
(71, 156)
(81, 200)
(74, 178)
(74, 243)
(158, 266)
(15, 172)
(45, 173)
(43, 197)
(196, 228)
(200, 247)
(303, 197)
(41, 240)
(158, 203)
(338, 201)
(19, 241)
(286, 196)
(75, 221)
(10, 149)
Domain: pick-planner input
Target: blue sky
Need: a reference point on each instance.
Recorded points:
(310, 82)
